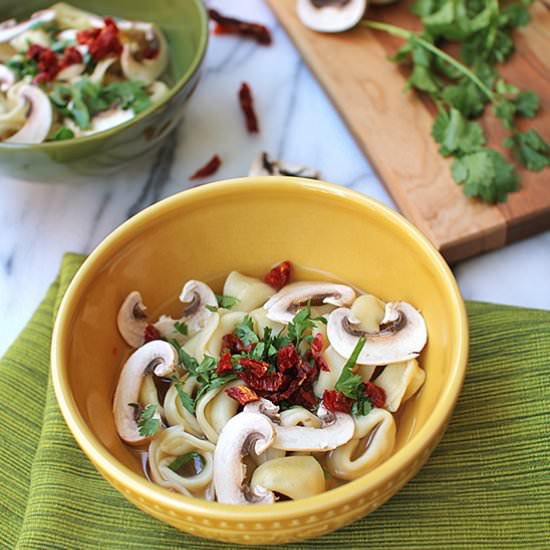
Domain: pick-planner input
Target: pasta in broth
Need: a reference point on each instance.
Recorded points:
(272, 390)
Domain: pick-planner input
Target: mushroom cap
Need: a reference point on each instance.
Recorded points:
(340, 16)
(9, 29)
(283, 306)
(39, 117)
(336, 429)
(197, 295)
(243, 433)
(158, 357)
(265, 165)
(401, 337)
(132, 319)
(146, 70)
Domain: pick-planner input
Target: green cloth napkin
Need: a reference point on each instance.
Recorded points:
(487, 484)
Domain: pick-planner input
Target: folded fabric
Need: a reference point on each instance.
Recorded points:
(486, 485)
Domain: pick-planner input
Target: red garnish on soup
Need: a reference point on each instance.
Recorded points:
(242, 394)
(336, 401)
(376, 394)
(278, 277)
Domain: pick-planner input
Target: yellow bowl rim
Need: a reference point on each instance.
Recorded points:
(150, 492)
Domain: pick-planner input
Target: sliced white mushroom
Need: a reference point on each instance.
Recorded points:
(331, 15)
(243, 432)
(109, 119)
(33, 36)
(10, 29)
(145, 70)
(335, 430)
(199, 297)
(372, 443)
(283, 306)
(39, 116)
(101, 69)
(157, 91)
(132, 319)
(402, 335)
(265, 165)
(156, 357)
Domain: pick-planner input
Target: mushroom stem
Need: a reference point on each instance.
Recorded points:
(9, 29)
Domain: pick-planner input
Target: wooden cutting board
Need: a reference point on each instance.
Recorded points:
(394, 128)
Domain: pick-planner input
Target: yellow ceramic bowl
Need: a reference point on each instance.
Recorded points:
(249, 224)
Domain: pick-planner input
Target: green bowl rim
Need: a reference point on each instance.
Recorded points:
(193, 68)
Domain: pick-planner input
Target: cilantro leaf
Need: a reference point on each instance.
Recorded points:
(505, 110)
(226, 302)
(128, 94)
(362, 406)
(466, 97)
(182, 460)
(245, 331)
(348, 383)
(63, 133)
(456, 135)
(527, 104)
(147, 424)
(300, 324)
(185, 399)
(485, 174)
(181, 327)
(531, 149)
(22, 66)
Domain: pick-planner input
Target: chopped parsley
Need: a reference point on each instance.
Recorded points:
(225, 301)
(63, 133)
(349, 383)
(181, 327)
(185, 399)
(186, 459)
(147, 424)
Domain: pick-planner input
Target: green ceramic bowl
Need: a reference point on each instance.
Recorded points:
(185, 24)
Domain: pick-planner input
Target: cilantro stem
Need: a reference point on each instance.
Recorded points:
(407, 35)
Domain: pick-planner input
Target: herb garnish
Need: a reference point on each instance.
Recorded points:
(225, 301)
(462, 90)
(186, 400)
(63, 133)
(182, 460)
(181, 327)
(147, 424)
(348, 383)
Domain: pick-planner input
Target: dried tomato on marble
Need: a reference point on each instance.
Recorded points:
(102, 42)
(336, 401)
(375, 394)
(211, 167)
(278, 277)
(242, 394)
(247, 105)
(150, 333)
(232, 25)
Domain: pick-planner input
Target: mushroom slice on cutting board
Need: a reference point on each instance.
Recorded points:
(283, 306)
(242, 434)
(157, 358)
(331, 15)
(265, 165)
(402, 335)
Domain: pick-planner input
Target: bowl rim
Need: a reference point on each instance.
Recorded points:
(418, 448)
(172, 91)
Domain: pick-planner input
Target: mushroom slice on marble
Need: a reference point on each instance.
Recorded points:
(157, 357)
(283, 306)
(265, 165)
(132, 319)
(336, 429)
(402, 335)
(331, 15)
(39, 116)
(10, 29)
(244, 433)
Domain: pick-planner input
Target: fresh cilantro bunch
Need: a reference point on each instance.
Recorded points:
(462, 90)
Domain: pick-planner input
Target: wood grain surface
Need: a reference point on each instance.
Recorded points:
(393, 128)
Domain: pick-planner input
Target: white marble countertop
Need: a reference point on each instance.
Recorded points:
(40, 222)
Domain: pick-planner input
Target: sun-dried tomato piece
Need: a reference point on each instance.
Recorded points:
(375, 394)
(287, 358)
(231, 25)
(46, 63)
(242, 394)
(257, 368)
(247, 105)
(278, 277)
(335, 401)
(235, 345)
(150, 334)
(71, 56)
(317, 345)
(102, 42)
(148, 53)
(224, 364)
(211, 167)
(305, 397)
